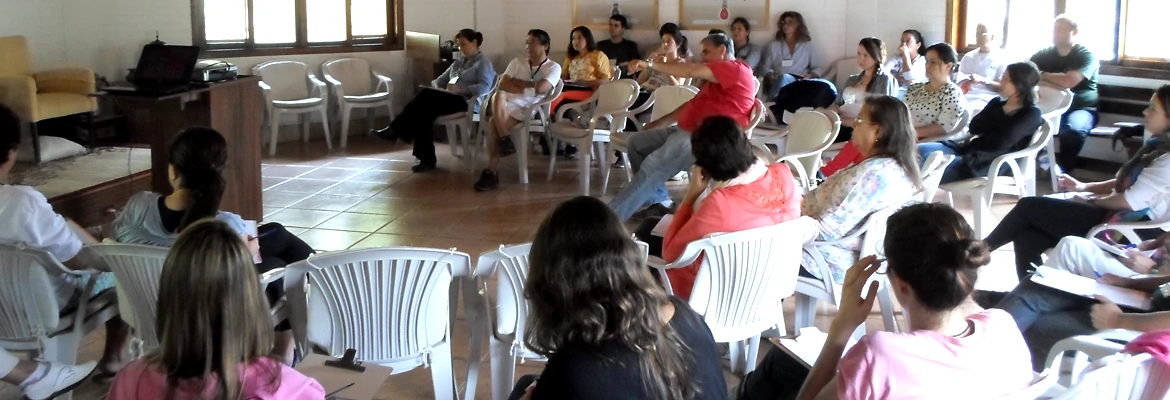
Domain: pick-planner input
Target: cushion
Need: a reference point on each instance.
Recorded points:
(53, 105)
(52, 148)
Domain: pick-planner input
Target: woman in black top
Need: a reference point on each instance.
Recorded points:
(608, 329)
(1005, 125)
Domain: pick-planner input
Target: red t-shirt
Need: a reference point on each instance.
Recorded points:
(733, 96)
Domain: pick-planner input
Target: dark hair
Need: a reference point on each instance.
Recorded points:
(877, 51)
(676, 33)
(898, 139)
(470, 35)
(542, 37)
(714, 31)
(1151, 150)
(721, 39)
(9, 132)
(1025, 76)
(930, 247)
(588, 285)
(917, 38)
(946, 54)
(721, 148)
(747, 26)
(198, 155)
(590, 45)
(801, 34)
(621, 19)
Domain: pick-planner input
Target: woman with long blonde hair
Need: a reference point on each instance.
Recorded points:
(215, 339)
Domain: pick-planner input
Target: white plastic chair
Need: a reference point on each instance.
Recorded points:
(30, 315)
(1021, 183)
(462, 123)
(137, 269)
(759, 113)
(662, 101)
(1129, 229)
(392, 305)
(290, 87)
(841, 70)
(742, 278)
(932, 172)
(1098, 369)
(1053, 104)
(960, 131)
(801, 145)
(356, 85)
(538, 120)
(610, 99)
(871, 233)
(1085, 349)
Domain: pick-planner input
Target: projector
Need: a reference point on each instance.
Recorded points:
(208, 71)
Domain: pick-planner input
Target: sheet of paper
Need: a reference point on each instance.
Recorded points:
(1111, 249)
(663, 224)
(1085, 287)
(252, 230)
(365, 384)
(807, 345)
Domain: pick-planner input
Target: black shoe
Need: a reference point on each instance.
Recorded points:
(488, 181)
(424, 167)
(570, 152)
(988, 298)
(654, 211)
(544, 146)
(507, 148)
(386, 133)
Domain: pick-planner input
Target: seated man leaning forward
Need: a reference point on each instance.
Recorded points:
(664, 149)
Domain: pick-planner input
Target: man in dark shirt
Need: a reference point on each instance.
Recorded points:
(617, 47)
(1068, 65)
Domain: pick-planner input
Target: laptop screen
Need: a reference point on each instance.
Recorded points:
(163, 64)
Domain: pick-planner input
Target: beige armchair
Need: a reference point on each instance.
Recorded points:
(42, 95)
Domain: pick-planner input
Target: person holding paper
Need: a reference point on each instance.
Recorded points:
(212, 326)
(932, 264)
(731, 190)
(469, 78)
(1093, 258)
(1140, 191)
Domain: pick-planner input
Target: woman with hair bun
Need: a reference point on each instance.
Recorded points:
(932, 261)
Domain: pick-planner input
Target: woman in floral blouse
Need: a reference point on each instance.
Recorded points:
(887, 177)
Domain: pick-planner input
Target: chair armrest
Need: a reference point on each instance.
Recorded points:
(689, 255)
(644, 107)
(383, 81)
(318, 86)
(336, 84)
(1118, 335)
(266, 90)
(579, 106)
(66, 80)
(19, 93)
(271, 276)
(622, 117)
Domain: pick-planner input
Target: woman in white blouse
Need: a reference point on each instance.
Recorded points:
(909, 65)
(938, 104)
(791, 56)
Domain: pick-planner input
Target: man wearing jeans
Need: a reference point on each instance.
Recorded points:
(1068, 65)
(665, 149)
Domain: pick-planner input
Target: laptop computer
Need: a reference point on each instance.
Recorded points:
(162, 70)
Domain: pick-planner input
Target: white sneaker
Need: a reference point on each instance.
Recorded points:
(60, 379)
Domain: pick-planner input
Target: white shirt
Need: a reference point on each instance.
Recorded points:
(990, 65)
(549, 71)
(915, 72)
(27, 218)
(1151, 189)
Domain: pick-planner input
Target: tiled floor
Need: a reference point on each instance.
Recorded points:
(366, 196)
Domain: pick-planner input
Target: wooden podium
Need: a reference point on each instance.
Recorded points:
(234, 108)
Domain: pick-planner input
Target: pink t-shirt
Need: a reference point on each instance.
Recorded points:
(140, 380)
(991, 362)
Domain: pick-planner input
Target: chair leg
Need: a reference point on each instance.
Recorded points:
(886, 302)
(503, 368)
(806, 311)
(325, 126)
(520, 139)
(274, 130)
(304, 127)
(36, 142)
(89, 122)
(442, 372)
(629, 168)
(369, 122)
(981, 207)
(583, 161)
(753, 352)
(345, 111)
(552, 155)
(735, 356)
(603, 162)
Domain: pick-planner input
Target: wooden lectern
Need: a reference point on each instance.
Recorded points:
(235, 108)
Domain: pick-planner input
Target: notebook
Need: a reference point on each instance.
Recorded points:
(663, 224)
(807, 345)
(1085, 287)
(1114, 250)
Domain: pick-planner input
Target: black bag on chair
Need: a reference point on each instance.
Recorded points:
(815, 93)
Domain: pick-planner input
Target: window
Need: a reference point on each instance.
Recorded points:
(238, 28)
(1118, 31)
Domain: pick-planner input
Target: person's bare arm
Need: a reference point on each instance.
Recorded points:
(79, 262)
(929, 131)
(1066, 80)
(1151, 322)
(509, 84)
(1114, 202)
(682, 70)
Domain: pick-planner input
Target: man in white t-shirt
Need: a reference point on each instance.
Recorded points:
(982, 69)
(525, 82)
(27, 218)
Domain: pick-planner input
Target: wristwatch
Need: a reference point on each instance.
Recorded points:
(650, 63)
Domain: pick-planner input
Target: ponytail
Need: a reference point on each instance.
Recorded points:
(206, 194)
(198, 156)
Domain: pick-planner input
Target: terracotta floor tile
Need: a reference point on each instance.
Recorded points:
(417, 226)
(384, 206)
(362, 189)
(356, 222)
(327, 202)
(378, 176)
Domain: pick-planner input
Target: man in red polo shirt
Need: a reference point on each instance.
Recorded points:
(665, 148)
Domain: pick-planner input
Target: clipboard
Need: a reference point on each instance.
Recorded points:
(663, 224)
(1089, 288)
(364, 386)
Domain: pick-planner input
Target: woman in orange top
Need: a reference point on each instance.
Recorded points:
(731, 190)
(585, 66)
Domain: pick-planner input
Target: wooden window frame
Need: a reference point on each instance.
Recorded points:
(395, 38)
(956, 33)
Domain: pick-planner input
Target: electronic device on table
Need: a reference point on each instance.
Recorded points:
(162, 70)
(210, 71)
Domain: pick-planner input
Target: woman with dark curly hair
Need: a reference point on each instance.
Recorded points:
(607, 327)
(791, 56)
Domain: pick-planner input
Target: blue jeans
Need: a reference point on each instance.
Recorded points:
(954, 171)
(1074, 128)
(1045, 316)
(655, 156)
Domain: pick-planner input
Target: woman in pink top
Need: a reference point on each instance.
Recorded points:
(949, 352)
(731, 190)
(215, 341)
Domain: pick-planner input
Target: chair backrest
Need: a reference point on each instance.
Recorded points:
(390, 304)
(841, 71)
(759, 112)
(28, 302)
(1039, 140)
(1122, 376)
(1053, 103)
(616, 96)
(137, 269)
(760, 88)
(510, 267)
(14, 51)
(809, 131)
(355, 74)
(964, 122)
(932, 172)
(288, 79)
(669, 98)
(617, 73)
(744, 275)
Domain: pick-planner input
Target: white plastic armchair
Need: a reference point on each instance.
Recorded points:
(662, 101)
(1022, 181)
(461, 126)
(356, 85)
(958, 133)
(742, 278)
(392, 305)
(608, 101)
(538, 120)
(1129, 229)
(290, 87)
(30, 315)
(137, 269)
(759, 113)
(932, 171)
(801, 145)
(1053, 104)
